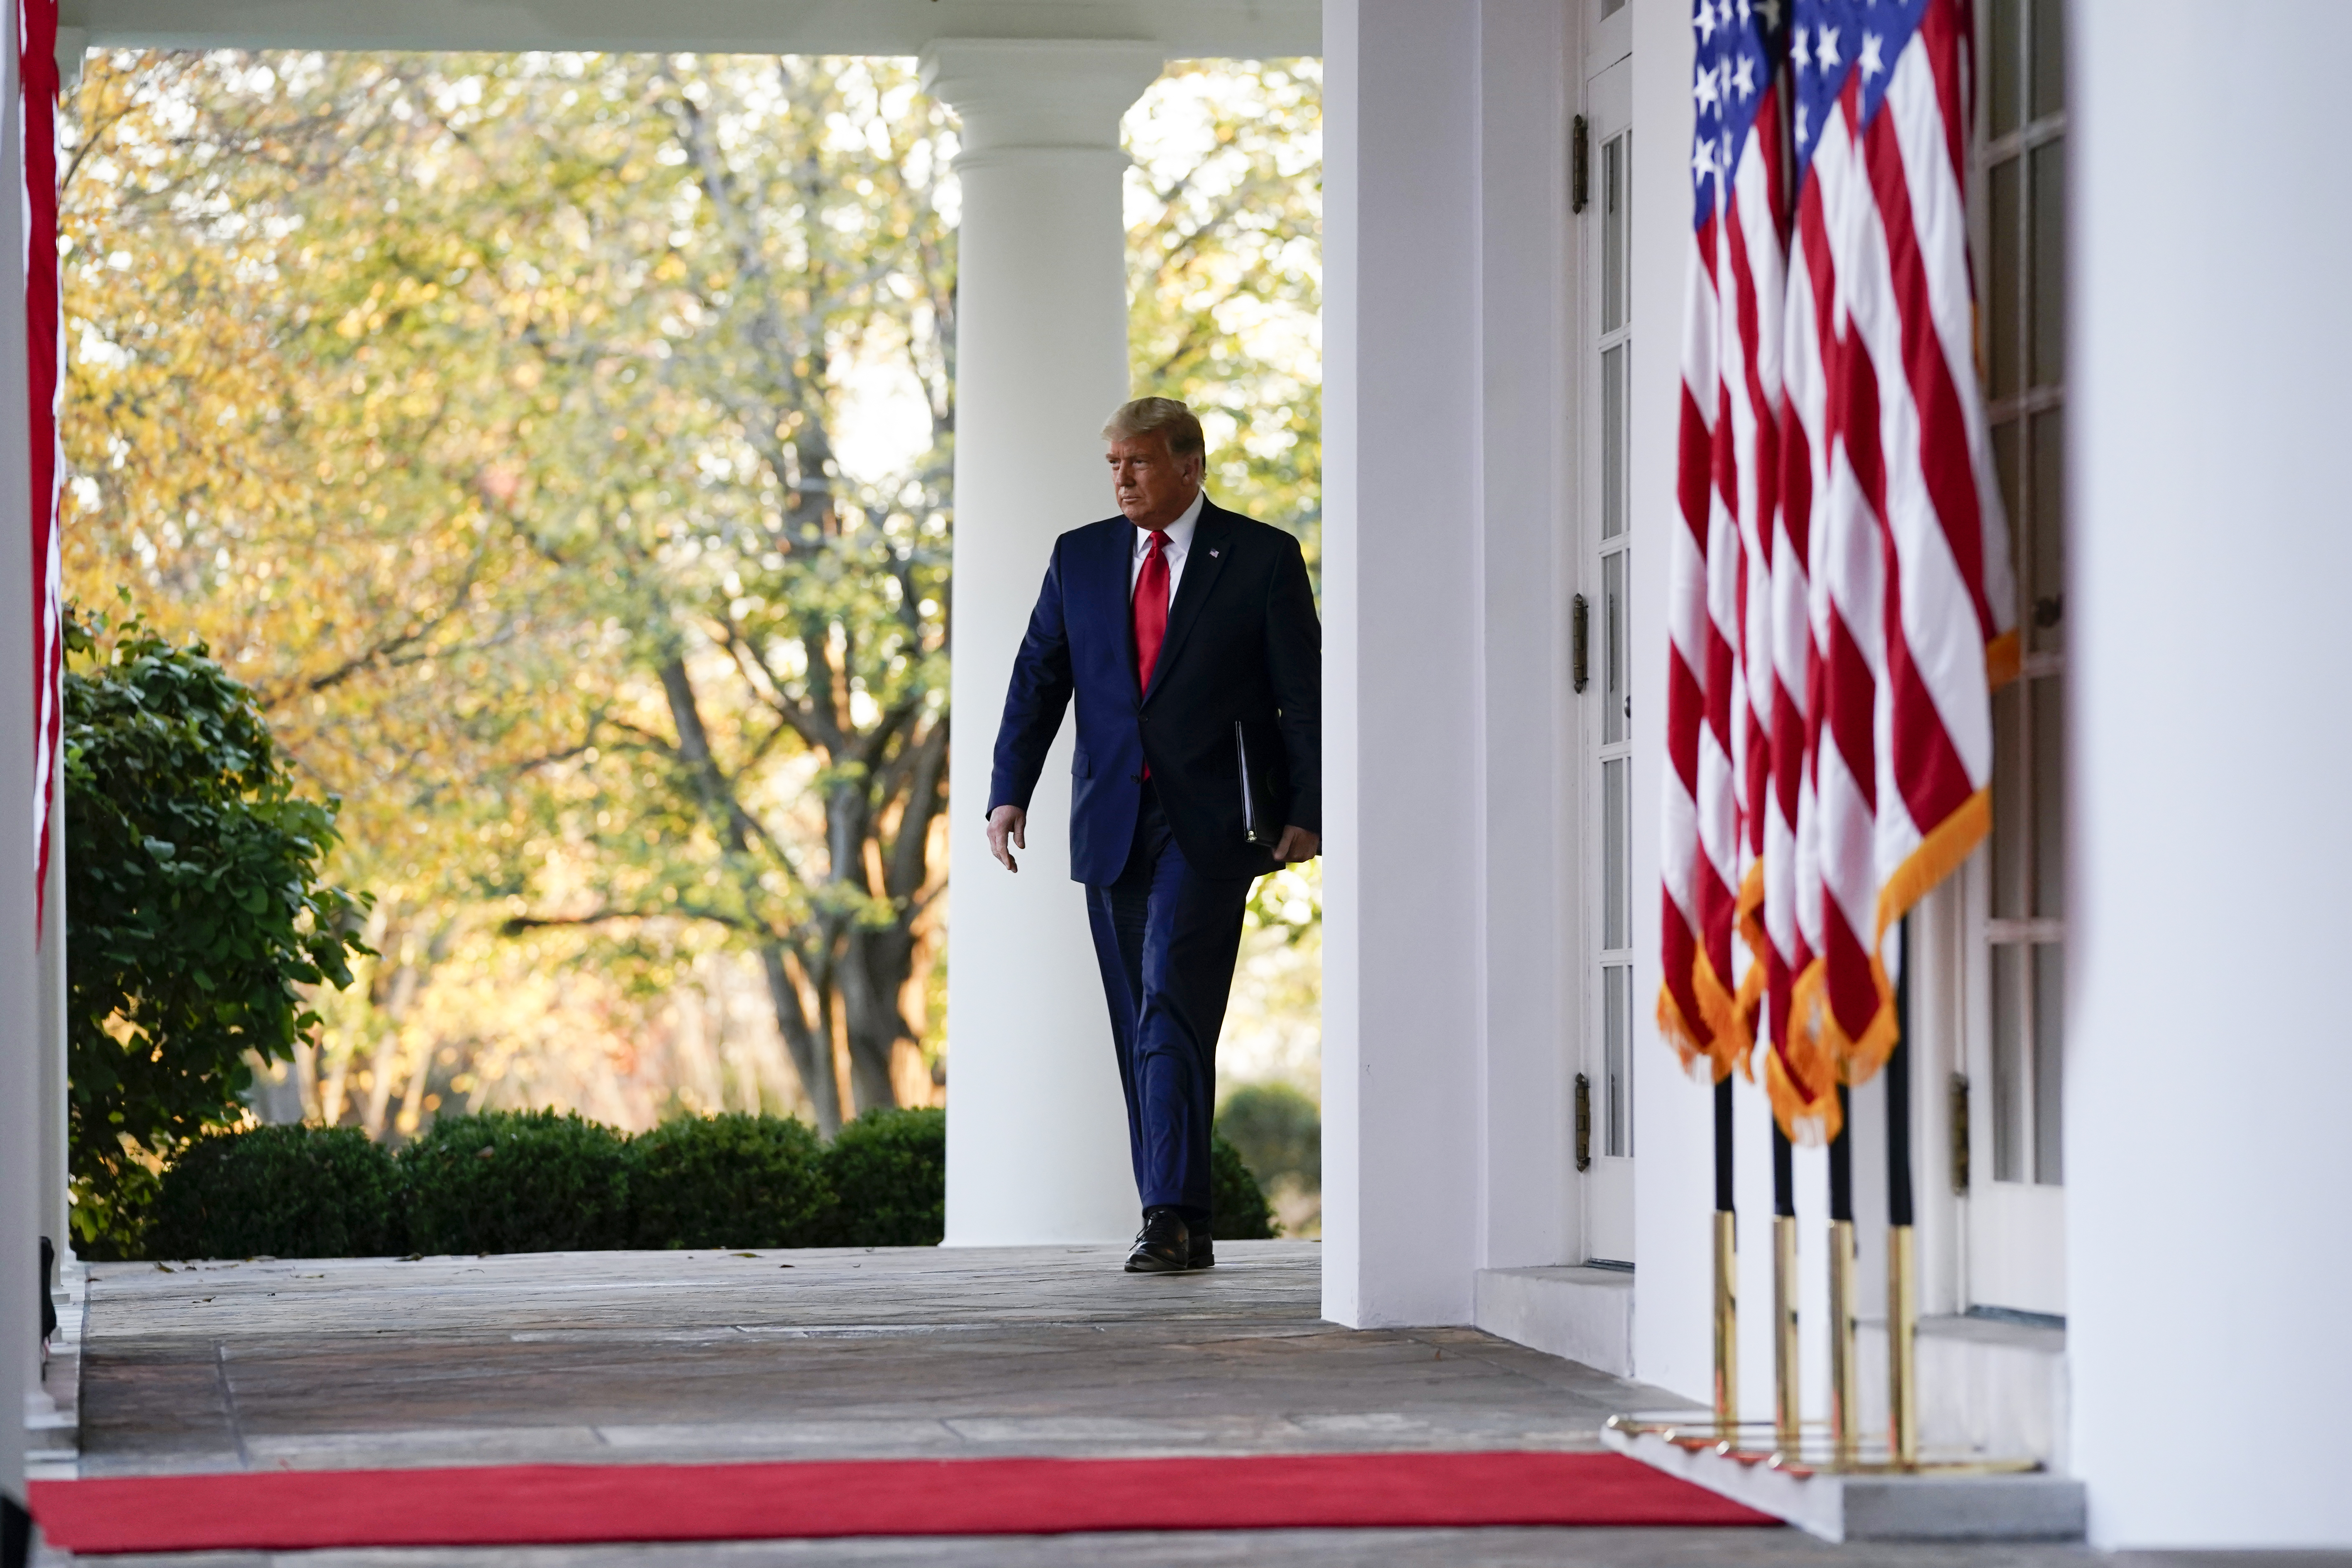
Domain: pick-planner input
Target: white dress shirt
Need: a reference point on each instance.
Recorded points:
(1179, 542)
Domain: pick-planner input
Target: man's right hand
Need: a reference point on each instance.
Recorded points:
(1007, 827)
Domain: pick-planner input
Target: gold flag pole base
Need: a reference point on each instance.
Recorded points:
(1902, 1346)
(1846, 1372)
(1787, 1393)
(1726, 1322)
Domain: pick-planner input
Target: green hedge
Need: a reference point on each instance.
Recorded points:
(1237, 1207)
(730, 1181)
(518, 1181)
(890, 1172)
(505, 1181)
(282, 1192)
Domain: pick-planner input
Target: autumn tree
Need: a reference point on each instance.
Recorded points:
(488, 416)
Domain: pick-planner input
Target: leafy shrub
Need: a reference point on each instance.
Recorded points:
(195, 908)
(518, 1181)
(1277, 1130)
(728, 1181)
(287, 1191)
(1237, 1207)
(888, 1170)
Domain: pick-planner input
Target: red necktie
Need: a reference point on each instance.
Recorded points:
(1149, 609)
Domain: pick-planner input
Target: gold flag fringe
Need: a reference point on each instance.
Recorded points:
(1816, 1040)
(1807, 1121)
(1725, 1044)
(2004, 659)
(1748, 916)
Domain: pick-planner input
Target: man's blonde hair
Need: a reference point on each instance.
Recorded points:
(1158, 417)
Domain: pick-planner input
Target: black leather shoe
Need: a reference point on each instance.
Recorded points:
(1203, 1249)
(1162, 1247)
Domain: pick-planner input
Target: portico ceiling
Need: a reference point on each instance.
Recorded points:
(1185, 28)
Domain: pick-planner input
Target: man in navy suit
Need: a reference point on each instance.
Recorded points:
(1188, 635)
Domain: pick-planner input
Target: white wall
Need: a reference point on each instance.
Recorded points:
(2209, 1064)
(1403, 797)
(1673, 1124)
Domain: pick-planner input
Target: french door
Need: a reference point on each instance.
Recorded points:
(2015, 892)
(1605, 1141)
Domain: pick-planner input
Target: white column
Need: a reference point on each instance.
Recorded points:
(1036, 1133)
(2209, 1080)
(20, 1077)
(1402, 775)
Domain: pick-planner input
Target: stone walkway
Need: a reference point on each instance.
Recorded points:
(929, 1352)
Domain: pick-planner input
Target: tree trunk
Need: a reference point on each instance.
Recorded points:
(812, 1058)
(812, 1049)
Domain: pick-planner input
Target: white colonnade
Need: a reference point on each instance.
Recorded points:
(1038, 1146)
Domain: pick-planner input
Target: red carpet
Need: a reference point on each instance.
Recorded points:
(534, 1504)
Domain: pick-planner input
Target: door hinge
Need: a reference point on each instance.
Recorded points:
(1580, 166)
(1959, 1098)
(1579, 642)
(1584, 1122)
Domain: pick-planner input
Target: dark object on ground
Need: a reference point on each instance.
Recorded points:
(1205, 1250)
(1278, 1130)
(1238, 1206)
(1164, 1245)
(280, 1192)
(888, 1170)
(518, 1181)
(728, 1181)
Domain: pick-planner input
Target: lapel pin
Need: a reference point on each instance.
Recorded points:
(1213, 552)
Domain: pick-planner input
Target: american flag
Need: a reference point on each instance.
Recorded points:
(37, 76)
(1884, 560)
(1718, 688)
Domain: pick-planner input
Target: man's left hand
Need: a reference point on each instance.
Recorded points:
(1297, 844)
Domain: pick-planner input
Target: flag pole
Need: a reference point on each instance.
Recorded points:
(1846, 1373)
(1787, 1404)
(1901, 1260)
(1726, 1272)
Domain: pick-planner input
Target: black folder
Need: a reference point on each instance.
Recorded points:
(1259, 812)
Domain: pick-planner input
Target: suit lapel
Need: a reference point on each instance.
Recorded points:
(1202, 561)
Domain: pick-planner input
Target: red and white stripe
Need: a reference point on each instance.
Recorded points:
(1698, 819)
(1718, 703)
(1911, 597)
(36, 65)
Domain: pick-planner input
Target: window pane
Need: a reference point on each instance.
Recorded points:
(2044, 545)
(1616, 703)
(2002, 291)
(2009, 1064)
(2006, 469)
(1612, 440)
(2049, 57)
(2048, 168)
(2002, 69)
(2049, 1063)
(1612, 233)
(2012, 804)
(2049, 698)
(1616, 850)
(1617, 1030)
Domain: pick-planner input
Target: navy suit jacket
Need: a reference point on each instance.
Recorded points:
(1243, 645)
